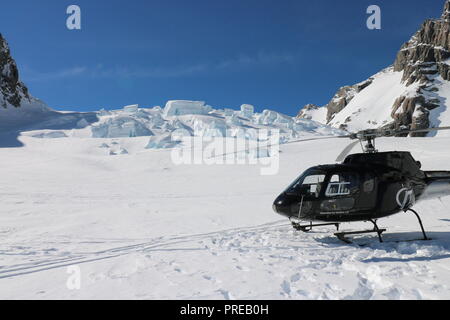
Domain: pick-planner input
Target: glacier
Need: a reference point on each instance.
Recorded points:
(196, 119)
(180, 118)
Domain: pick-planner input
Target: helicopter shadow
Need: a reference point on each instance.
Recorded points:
(52, 120)
(406, 244)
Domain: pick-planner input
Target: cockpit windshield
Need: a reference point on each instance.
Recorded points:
(309, 184)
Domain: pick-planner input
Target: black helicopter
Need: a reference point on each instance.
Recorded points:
(364, 187)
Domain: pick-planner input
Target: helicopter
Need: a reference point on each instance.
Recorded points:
(362, 187)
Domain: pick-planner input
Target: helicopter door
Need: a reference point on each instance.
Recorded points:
(369, 189)
(341, 193)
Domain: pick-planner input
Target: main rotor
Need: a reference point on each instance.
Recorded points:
(369, 136)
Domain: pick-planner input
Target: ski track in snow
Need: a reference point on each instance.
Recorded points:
(135, 242)
(273, 251)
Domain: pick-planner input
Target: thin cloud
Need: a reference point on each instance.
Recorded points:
(33, 76)
(226, 65)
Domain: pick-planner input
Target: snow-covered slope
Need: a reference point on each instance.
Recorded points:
(313, 112)
(366, 112)
(137, 226)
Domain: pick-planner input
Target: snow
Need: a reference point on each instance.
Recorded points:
(318, 115)
(441, 116)
(50, 135)
(162, 142)
(366, 112)
(140, 227)
(373, 107)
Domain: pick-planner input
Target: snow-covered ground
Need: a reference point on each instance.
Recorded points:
(139, 227)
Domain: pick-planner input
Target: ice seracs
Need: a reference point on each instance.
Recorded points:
(120, 127)
(196, 119)
(247, 111)
(185, 118)
(131, 108)
(184, 107)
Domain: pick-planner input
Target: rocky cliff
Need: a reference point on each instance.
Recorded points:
(12, 90)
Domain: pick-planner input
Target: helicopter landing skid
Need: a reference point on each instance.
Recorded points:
(420, 222)
(308, 228)
(342, 235)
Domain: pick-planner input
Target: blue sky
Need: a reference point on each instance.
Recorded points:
(277, 54)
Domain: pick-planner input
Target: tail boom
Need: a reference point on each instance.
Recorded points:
(438, 184)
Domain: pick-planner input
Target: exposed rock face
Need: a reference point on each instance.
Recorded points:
(423, 59)
(12, 91)
(425, 63)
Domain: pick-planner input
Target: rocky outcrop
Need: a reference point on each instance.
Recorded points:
(12, 90)
(425, 62)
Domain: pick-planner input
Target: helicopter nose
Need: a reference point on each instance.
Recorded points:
(274, 208)
(281, 206)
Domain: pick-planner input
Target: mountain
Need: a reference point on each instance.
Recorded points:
(414, 92)
(20, 111)
(12, 91)
(17, 106)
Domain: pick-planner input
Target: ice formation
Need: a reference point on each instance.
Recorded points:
(247, 111)
(184, 107)
(120, 127)
(131, 108)
(186, 119)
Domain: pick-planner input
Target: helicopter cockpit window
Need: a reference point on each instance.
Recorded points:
(308, 185)
(342, 184)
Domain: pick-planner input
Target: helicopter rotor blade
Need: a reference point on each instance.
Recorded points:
(346, 151)
(290, 142)
(318, 138)
(419, 130)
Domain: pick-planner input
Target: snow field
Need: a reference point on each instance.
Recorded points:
(139, 227)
